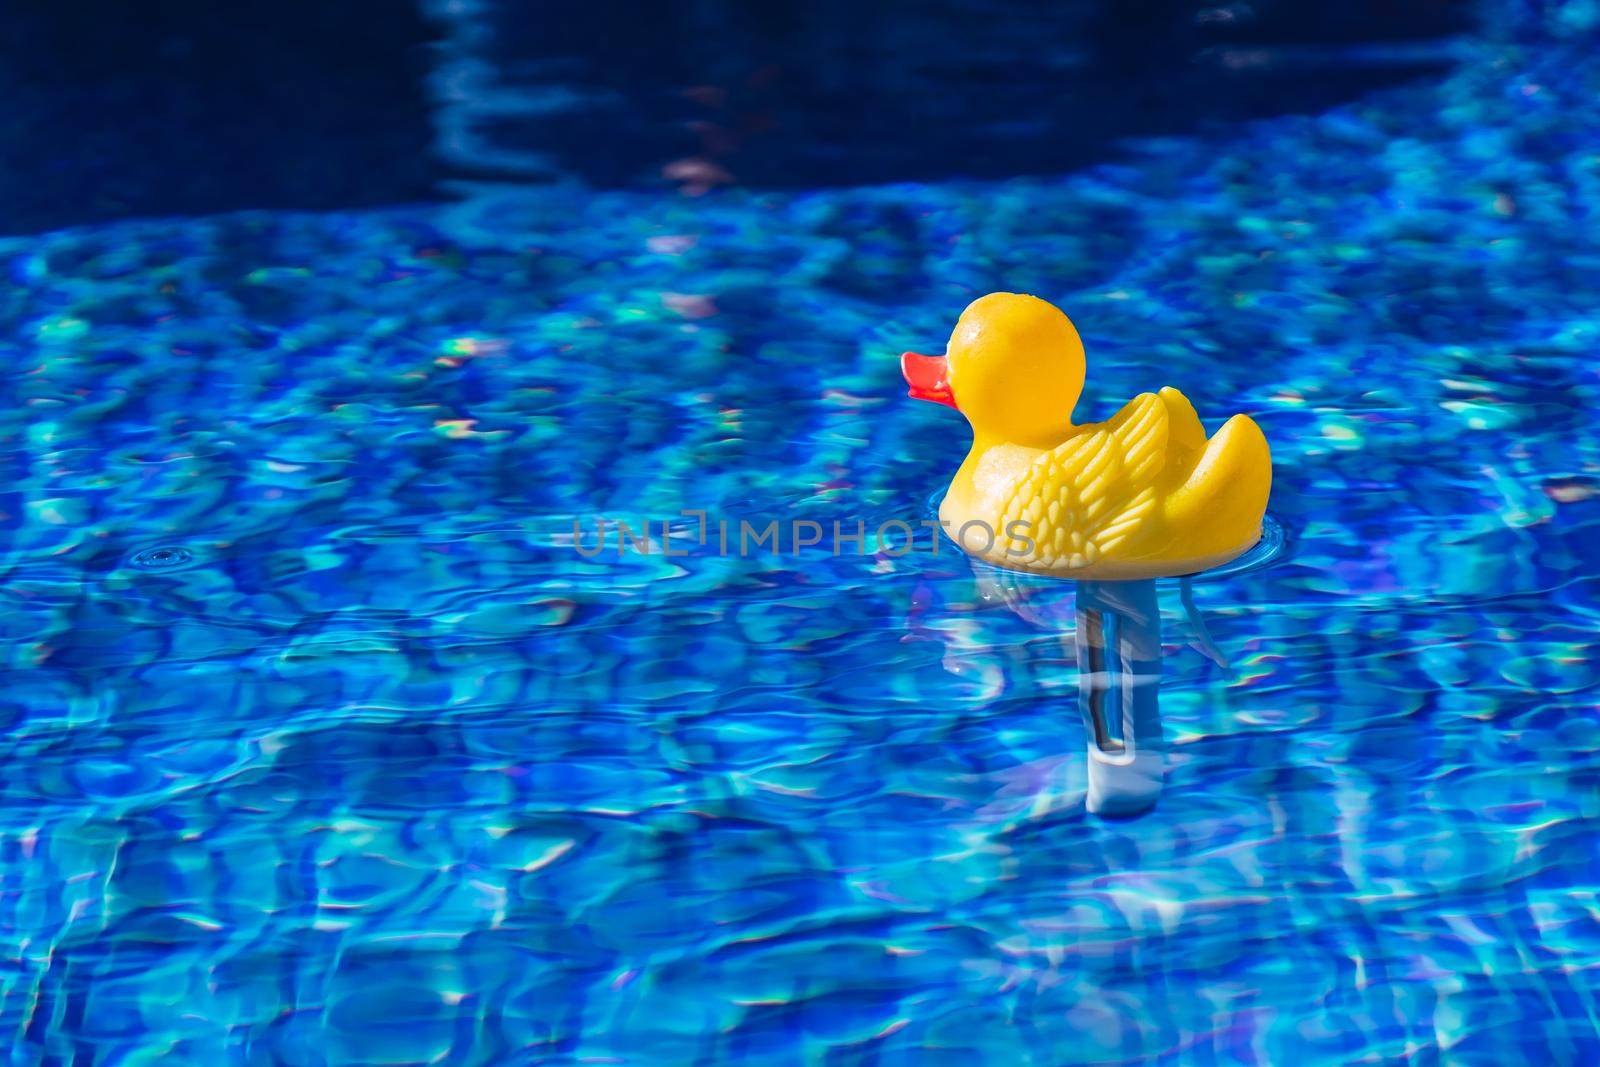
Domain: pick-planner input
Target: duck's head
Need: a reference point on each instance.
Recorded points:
(1014, 368)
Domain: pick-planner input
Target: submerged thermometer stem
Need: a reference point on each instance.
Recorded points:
(1118, 641)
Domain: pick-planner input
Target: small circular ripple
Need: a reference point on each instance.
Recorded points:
(162, 557)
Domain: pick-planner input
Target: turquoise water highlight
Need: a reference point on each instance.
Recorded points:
(323, 745)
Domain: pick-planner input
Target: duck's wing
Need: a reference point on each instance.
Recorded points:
(1084, 497)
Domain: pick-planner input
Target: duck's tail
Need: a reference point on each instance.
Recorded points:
(1221, 503)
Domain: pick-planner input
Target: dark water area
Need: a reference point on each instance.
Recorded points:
(186, 108)
(795, 94)
(183, 107)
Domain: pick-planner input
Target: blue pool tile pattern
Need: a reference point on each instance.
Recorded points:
(324, 744)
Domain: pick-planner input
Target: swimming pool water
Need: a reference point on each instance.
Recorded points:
(324, 745)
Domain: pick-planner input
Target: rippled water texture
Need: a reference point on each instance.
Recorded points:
(322, 745)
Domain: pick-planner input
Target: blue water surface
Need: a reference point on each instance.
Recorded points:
(323, 744)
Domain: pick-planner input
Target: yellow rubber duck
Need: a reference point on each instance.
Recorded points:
(1145, 495)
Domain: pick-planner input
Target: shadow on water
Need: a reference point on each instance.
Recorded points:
(792, 94)
(188, 108)
(184, 108)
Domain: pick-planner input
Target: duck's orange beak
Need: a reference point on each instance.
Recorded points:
(928, 377)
